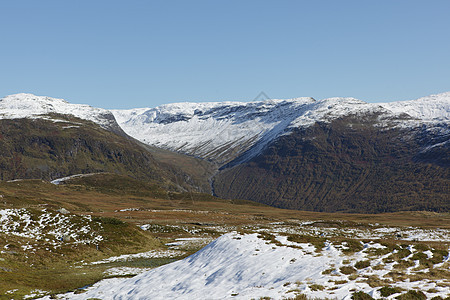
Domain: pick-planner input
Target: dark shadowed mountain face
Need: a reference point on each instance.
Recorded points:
(347, 165)
(48, 149)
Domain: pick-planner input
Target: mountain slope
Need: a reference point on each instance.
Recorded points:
(48, 149)
(430, 108)
(214, 131)
(20, 106)
(224, 131)
(47, 138)
(337, 154)
(346, 166)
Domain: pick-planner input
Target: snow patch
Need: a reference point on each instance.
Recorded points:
(149, 254)
(63, 179)
(40, 226)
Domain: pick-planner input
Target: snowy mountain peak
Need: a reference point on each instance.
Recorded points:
(445, 96)
(28, 102)
(222, 131)
(32, 106)
(213, 130)
(430, 108)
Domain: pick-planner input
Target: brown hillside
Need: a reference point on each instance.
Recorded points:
(346, 166)
(46, 149)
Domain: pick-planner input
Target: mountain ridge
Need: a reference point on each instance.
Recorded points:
(38, 134)
(232, 132)
(328, 155)
(24, 105)
(222, 131)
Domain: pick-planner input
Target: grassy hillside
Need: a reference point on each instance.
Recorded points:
(190, 172)
(42, 243)
(348, 166)
(46, 149)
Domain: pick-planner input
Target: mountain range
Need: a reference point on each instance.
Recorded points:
(335, 154)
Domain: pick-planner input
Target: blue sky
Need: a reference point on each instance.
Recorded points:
(124, 54)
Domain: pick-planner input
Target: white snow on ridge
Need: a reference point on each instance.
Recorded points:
(333, 108)
(430, 108)
(223, 130)
(31, 106)
(217, 130)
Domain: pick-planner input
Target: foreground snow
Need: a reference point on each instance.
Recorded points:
(149, 254)
(248, 267)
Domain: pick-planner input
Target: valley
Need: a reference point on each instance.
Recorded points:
(330, 155)
(277, 199)
(225, 150)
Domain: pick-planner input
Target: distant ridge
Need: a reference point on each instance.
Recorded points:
(335, 154)
(221, 131)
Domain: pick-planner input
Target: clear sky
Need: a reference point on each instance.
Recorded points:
(125, 54)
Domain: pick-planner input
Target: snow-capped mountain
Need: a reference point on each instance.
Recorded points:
(47, 138)
(218, 131)
(327, 155)
(31, 106)
(223, 131)
(433, 108)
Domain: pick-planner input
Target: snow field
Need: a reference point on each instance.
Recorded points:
(238, 266)
(58, 181)
(149, 254)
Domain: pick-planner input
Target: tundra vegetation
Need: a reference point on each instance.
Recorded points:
(73, 228)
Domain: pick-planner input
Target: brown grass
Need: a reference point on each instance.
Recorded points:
(193, 211)
(347, 270)
(362, 264)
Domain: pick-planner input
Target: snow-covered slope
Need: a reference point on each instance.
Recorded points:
(222, 131)
(31, 106)
(430, 108)
(239, 266)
